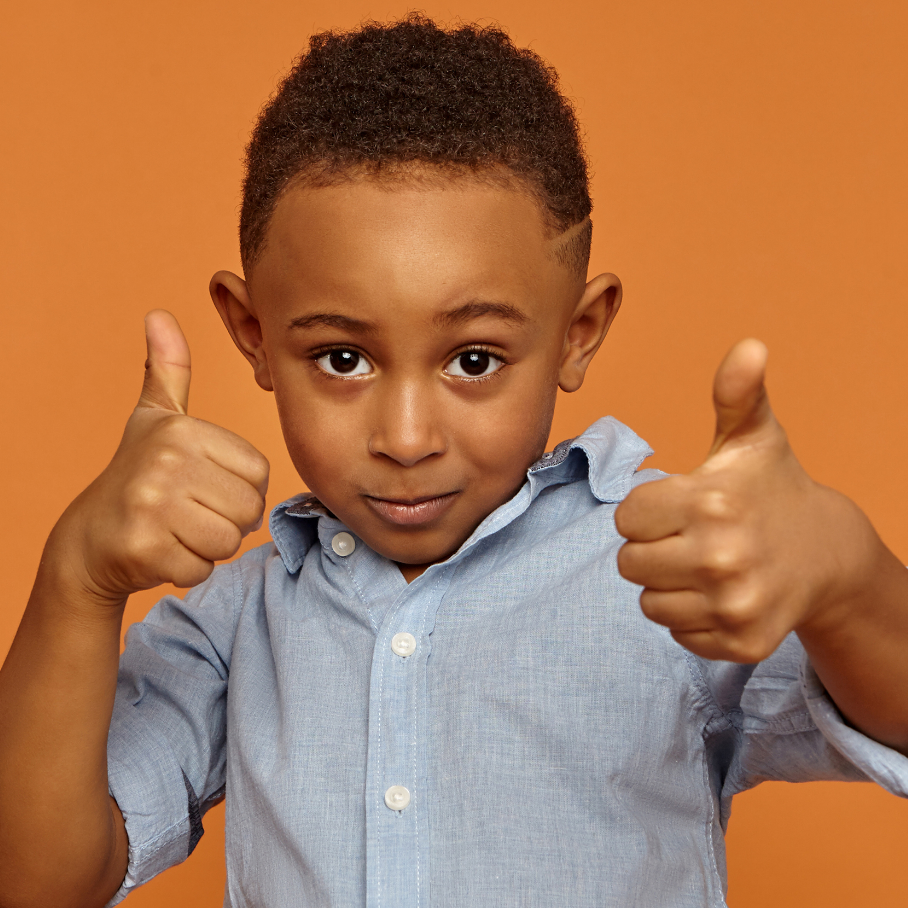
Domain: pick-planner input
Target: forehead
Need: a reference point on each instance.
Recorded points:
(372, 239)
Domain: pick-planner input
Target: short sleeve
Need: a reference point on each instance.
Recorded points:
(778, 723)
(167, 741)
(879, 763)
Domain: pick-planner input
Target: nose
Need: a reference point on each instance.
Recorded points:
(408, 425)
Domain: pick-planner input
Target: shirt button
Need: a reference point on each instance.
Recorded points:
(403, 644)
(397, 797)
(343, 544)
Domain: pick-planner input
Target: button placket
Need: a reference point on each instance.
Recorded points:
(395, 799)
(403, 644)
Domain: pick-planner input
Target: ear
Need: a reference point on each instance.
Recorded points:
(590, 322)
(230, 295)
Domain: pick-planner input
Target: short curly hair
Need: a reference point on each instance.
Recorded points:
(387, 99)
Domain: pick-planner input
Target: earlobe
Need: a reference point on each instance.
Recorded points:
(230, 294)
(590, 322)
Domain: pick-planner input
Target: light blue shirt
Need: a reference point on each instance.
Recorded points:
(506, 730)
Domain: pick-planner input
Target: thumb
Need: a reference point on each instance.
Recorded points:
(739, 395)
(167, 369)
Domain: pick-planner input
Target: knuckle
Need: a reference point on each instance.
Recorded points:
(262, 466)
(716, 504)
(619, 517)
(191, 574)
(231, 539)
(650, 603)
(177, 424)
(144, 495)
(627, 562)
(624, 516)
(171, 431)
(722, 562)
(167, 458)
(254, 507)
(138, 546)
(250, 508)
(258, 469)
(741, 611)
(222, 541)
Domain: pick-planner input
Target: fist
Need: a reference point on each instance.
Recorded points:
(738, 553)
(178, 495)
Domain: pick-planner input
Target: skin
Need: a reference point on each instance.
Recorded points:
(747, 548)
(407, 281)
(180, 493)
(731, 557)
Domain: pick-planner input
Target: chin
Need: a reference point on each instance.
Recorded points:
(417, 554)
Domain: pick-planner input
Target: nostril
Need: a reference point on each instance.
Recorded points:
(406, 425)
(406, 451)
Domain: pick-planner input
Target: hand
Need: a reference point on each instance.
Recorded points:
(746, 548)
(178, 495)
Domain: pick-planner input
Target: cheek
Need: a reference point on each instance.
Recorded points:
(506, 438)
(319, 443)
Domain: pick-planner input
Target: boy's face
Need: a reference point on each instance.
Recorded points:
(414, 338)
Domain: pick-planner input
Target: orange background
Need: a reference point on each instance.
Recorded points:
(749, 179)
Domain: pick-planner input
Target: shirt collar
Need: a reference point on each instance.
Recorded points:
(613, 453)
(606, 455)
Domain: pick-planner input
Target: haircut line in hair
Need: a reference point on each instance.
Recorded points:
(413, 97)
(572, 248)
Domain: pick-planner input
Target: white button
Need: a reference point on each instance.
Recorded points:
(403, 644)
(343, 544)
(397, 797)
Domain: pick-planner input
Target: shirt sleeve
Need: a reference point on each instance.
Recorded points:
(880, 764)
(167, 742)
(775, 721)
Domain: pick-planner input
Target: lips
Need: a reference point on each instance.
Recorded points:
(412, 511)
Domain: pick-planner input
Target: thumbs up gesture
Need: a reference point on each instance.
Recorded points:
(741, 551)
(179, 494)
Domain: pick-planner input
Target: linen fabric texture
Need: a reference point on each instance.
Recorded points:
(558, 748)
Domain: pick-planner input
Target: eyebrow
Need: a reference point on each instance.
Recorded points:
(332, 320)
(479, 308)
(451, 318)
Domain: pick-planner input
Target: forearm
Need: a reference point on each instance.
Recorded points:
(858, 642)
(62, 839)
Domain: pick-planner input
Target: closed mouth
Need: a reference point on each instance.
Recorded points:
(411, 511)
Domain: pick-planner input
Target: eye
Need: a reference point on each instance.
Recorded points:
(344, 362)
(474, 364)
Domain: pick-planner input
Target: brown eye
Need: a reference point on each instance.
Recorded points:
(474, 364)
(344, 362)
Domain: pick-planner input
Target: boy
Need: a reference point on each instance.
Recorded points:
(440, 690)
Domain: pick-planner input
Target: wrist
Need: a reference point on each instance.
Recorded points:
(852, 568)
(65, 579)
